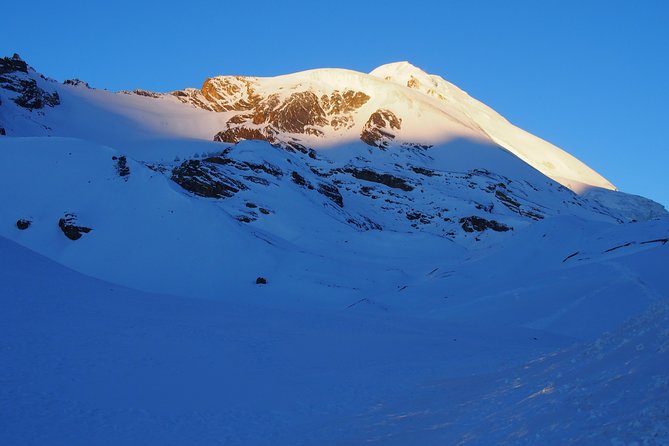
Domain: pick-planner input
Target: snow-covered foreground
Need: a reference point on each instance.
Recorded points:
(88, 362)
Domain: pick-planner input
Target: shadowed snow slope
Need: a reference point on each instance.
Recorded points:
(86, 361)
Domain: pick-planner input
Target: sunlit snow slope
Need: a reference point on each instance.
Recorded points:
(543, 156)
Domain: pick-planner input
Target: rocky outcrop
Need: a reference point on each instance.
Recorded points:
(235, 134)
(222, 94)
(13, 64)
(32, 97)
(205, 179)
(68, 224)
(268, 117)
(424, 171)
(299, 113)
(76, 83)
(382, 178)
(479, 224)
(23, 223)
(332, 192)
(300, 180)
(419, 216)
(27, 94)
(230, 93)
(140, 92)
(340, 106)
(122, 166)
(377, 129)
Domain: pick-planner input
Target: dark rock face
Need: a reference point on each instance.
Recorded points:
(425, 172)
(76, 83)
(339, 107)
(13, 64)
(122, 166)
(332, 192)
(256, 180)
(417, 215)
(2, 132)
(416, 146)
(261, 281)
(23, 224)
(230, 93)
(235, 134)
(30, 95)
(383, 178)
(377, 129)
(300, 180)
(267, 118)
(145, 93)
(479, 224)
(300, 111)
(69, 227)
(204, 179)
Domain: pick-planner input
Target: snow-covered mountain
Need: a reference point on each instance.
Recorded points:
(391, 198)
(336, 152)
(396, 103)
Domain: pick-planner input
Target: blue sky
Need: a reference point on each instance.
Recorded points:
(589, 76)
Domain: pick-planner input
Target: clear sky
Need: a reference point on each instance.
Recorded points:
(589, 76)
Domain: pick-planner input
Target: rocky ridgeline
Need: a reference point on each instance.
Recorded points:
(23, 89)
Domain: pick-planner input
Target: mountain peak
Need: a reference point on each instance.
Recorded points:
(397, 69)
